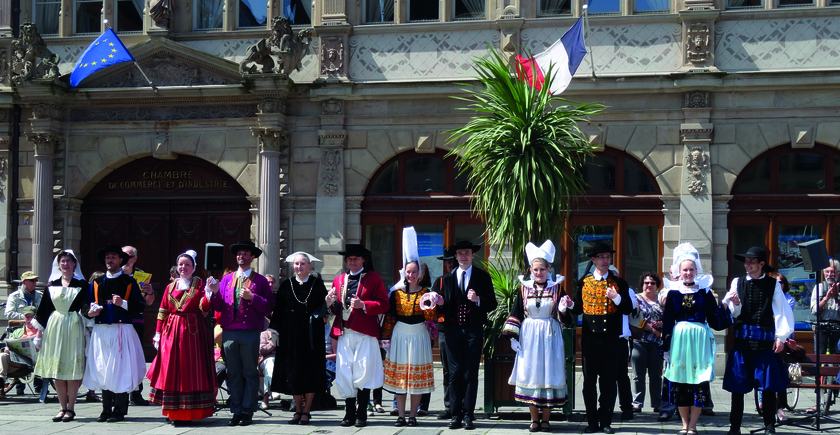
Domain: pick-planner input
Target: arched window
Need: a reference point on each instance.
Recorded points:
(415, 174)
(612, 172)
(785, 170)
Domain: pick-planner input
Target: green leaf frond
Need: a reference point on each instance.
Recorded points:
(523, 150)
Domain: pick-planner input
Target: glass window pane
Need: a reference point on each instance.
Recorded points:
(757, 179)
(46, 16)
(430, 247)
(641, 252)
(130, 16)
(800, 171)
(605, 7)
(423, 10)
(425, 174)
(599, 174)
(744, 4)
(88, 16)
(299, 11)
(652, 5)
(635, 178)
(743, 237)
(208, 14)
(468, 10)
(790, 265)
(461, 185)
(379, 11)
(795, 3)
(380, 240)
(587, 237)
(387, 181)
(252, 13)
(555, 7)
(475, 234)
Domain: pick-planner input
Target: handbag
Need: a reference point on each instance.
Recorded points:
(795, 373)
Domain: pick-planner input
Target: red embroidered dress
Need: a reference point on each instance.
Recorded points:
(183, 373)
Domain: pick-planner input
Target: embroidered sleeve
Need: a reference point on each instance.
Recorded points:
(163, 311)
(390, 318)
(517, 314)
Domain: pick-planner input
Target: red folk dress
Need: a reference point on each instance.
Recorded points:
(183, 373)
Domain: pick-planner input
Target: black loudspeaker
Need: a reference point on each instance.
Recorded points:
(214, 256)
(814, 255)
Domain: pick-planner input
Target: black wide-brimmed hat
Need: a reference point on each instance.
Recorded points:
(759, 254)
(100, 254)
(600, 248)
(448, 254)
(246, 245)
(463, 244)
(355, 250)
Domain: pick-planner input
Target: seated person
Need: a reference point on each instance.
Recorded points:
(8, 366)
(268, 347)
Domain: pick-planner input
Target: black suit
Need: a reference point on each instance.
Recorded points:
(464, 341)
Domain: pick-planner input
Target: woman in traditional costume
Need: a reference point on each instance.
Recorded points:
(62, 355)
(535, 330)
(183, 376)
(690, 313)
(405, 336)
(298, 318)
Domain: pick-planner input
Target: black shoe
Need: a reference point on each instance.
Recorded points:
(412, 421)
(664, 416)
(247, 419)
(591, 429)
(455, 423)
(394, 412)
(92, 397)
(639, 409)
(138, 400)
(400, 422)
(57, 418)
(733, 432)
(607, 430)
(627, 415)
(168, 421)
(468, 423)
(308, 418)
(103, 418)
(445, 415)
(347, 422)
(769, 430)
(181, 423)
(234, 421)
(360, 422)
(534, 427)
(69, 416)
(115, 418)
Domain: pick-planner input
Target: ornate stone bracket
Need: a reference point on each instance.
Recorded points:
(26, 50)
(696, 162)
(330, 176)
(696, 138)
(45, 143)
(272, 139)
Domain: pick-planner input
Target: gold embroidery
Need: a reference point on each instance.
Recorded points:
(186, 296)
(595, 300)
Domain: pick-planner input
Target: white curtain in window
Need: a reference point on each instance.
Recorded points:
(475, 7)
(210, 14)
(379, 11)
(46, 18)
(139, 4)
(553, 6)
(307, 6)
(736, 3)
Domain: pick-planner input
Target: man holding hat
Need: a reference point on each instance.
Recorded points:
(468, 296)
(357, 298)
(603, 300)
(244, 299)
(115, 361)
(763, 321)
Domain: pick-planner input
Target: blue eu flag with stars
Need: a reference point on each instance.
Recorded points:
(105, 51)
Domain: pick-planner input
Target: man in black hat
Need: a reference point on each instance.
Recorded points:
(468, 296)
(243, 299)
(763, 321)
(448, 260)
(603, 300)
(115, 362)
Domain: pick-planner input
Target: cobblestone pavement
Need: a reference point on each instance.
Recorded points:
(24, 415)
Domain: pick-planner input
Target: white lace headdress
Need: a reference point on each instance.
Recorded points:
(409, 253)
(56, 272)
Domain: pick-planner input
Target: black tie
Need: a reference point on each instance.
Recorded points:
(462, 285)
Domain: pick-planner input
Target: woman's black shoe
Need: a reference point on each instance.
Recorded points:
(412, 421)
(308, 418)
(400, 422)
(58, 418)
(296, 418)
(534, 427)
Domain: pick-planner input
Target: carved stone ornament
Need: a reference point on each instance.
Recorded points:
(4, 66)
(272, 105)
(332, 56)
(330, 176)
(46, 111)
(697, 99)
(163, 113)
(161, 12)
(165, 69)
(332, 107)
(45, 143)
(332, 140)
(26, 50)
(697, 45)
(696, 161)
(283, 43)
(3, 166)
(272, 139)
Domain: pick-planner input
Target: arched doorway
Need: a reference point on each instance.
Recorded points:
(163, 208)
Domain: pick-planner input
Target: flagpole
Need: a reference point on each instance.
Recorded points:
(154, 88)
(586, 39)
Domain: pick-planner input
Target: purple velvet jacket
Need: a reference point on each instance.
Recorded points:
(251, 314)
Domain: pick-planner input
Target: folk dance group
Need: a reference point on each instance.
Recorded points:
(404, 322)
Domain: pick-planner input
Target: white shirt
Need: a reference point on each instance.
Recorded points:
(465, 276)
(625, 322)
(782, 314)
(243, 273)
(354, 274)
(109, 275)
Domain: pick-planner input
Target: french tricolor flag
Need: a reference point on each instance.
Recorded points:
(565, 54)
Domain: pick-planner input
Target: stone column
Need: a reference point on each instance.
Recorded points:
(268, 233)
(42, 225)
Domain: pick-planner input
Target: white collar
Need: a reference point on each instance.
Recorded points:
(750, 278)
(108, 274)
(467, 271)
(598, 276)
(183, 284)
(245, 273)
(548, 284)
(354, 274)
(304, 280)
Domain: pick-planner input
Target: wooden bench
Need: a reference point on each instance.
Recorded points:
(829, 366)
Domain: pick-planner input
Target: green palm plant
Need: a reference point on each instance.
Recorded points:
(522, 150)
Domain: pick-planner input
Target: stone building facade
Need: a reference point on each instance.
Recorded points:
(719, 115)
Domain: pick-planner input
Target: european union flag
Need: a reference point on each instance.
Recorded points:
(103, 52)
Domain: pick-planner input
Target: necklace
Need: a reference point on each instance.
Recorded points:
(295, 293)
(540, 294)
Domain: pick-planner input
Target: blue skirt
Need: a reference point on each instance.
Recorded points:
(762, 370)
(692, 354)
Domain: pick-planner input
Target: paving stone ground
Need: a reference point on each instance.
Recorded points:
(24, 415)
